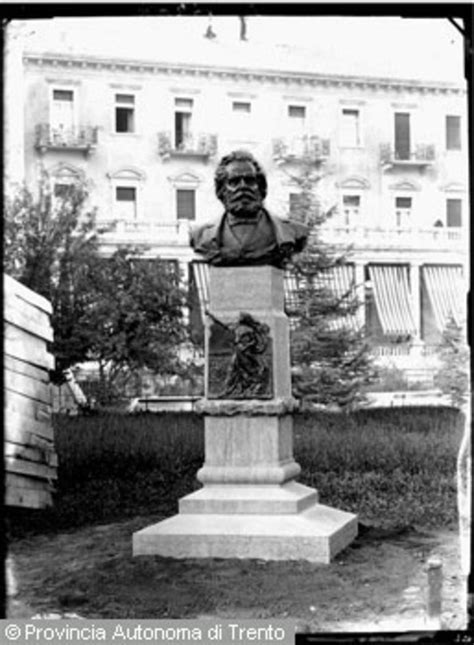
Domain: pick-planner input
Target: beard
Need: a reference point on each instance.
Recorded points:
(243, 203)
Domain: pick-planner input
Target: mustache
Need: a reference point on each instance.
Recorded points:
(244, 192)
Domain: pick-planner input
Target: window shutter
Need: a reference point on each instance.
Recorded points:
(350, 127)
(186, 104)
(61, 190)
(297, 111)
(128, 99)
(351, 200)
(403, 202)
(402, 135)
(240, 106)
(296, 203)
(186, 205)
(126, 202)
(453, 215)
(63, 95)
(453, 133)
(125, 194)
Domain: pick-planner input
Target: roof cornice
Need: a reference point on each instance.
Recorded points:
(198, 70)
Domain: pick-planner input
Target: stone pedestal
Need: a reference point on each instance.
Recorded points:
(249, 505)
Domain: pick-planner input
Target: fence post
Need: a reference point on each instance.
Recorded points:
(435, 584)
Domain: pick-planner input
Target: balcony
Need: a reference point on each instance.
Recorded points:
(83, 139)
(307, 148)
(362, 237)
(116, 231)
(422, 155)
(192, 145)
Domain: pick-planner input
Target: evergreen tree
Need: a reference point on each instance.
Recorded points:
(452, 378)
(330, 357)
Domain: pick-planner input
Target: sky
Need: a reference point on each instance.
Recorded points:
(429, 49)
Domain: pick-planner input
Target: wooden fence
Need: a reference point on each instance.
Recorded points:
(30, 459)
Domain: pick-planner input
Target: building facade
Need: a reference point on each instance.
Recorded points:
(392, 155)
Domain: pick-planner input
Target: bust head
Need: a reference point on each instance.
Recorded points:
(240, 184)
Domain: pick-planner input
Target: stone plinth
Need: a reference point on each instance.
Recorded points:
(250, 506)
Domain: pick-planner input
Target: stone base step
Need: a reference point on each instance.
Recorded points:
(316, 534)
(248, 499)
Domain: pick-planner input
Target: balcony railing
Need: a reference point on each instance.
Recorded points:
(84, 139)
(422, 155)
(196, 145)
(303, 148)
(143, 232)
(399, 238)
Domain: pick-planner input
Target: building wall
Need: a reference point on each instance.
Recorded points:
(135, 159)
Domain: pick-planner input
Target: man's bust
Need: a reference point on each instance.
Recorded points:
(246, 234)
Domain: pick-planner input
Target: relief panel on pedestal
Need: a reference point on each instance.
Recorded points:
(240, 359)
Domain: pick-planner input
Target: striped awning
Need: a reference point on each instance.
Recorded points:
(444, 285)
(393, 299)
(339, 279)
(291, 288)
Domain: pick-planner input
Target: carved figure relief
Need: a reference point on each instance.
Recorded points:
(240, 360)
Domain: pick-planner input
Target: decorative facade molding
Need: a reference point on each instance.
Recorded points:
(354, 182)
(185, 90)
(127, 172)
(63, 81)
(352, 102)
(453, 187)
(242, 95)
(73, 61)
(125, 86)
(185, 178)
(63, 170)
(405, 186)
(298, 99)
(405, 106)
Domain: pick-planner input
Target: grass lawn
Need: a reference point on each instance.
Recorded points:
(394, 468)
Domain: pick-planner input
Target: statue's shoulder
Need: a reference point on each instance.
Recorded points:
(204, 231)
(287, 224)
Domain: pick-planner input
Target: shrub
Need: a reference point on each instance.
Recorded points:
(393, 466)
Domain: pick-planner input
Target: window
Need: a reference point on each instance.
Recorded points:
(351, 209)
(296, 204)
(402, 135)
(124, 113)
(186, 204)
(61, 190)
(125, 202)
(453, 212)
(241, 107)
(350, 131)
(182, 123)
(297, 112)
(453, 133)
(403, 207)
(62, 114)
(63, 95)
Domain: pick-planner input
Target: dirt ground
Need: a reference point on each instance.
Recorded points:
(379, 583)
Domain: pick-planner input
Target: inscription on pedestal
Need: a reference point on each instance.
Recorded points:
(240, 360)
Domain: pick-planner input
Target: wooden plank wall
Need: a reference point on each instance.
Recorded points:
(31, 462)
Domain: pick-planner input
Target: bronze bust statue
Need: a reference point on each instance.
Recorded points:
(246, 234)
